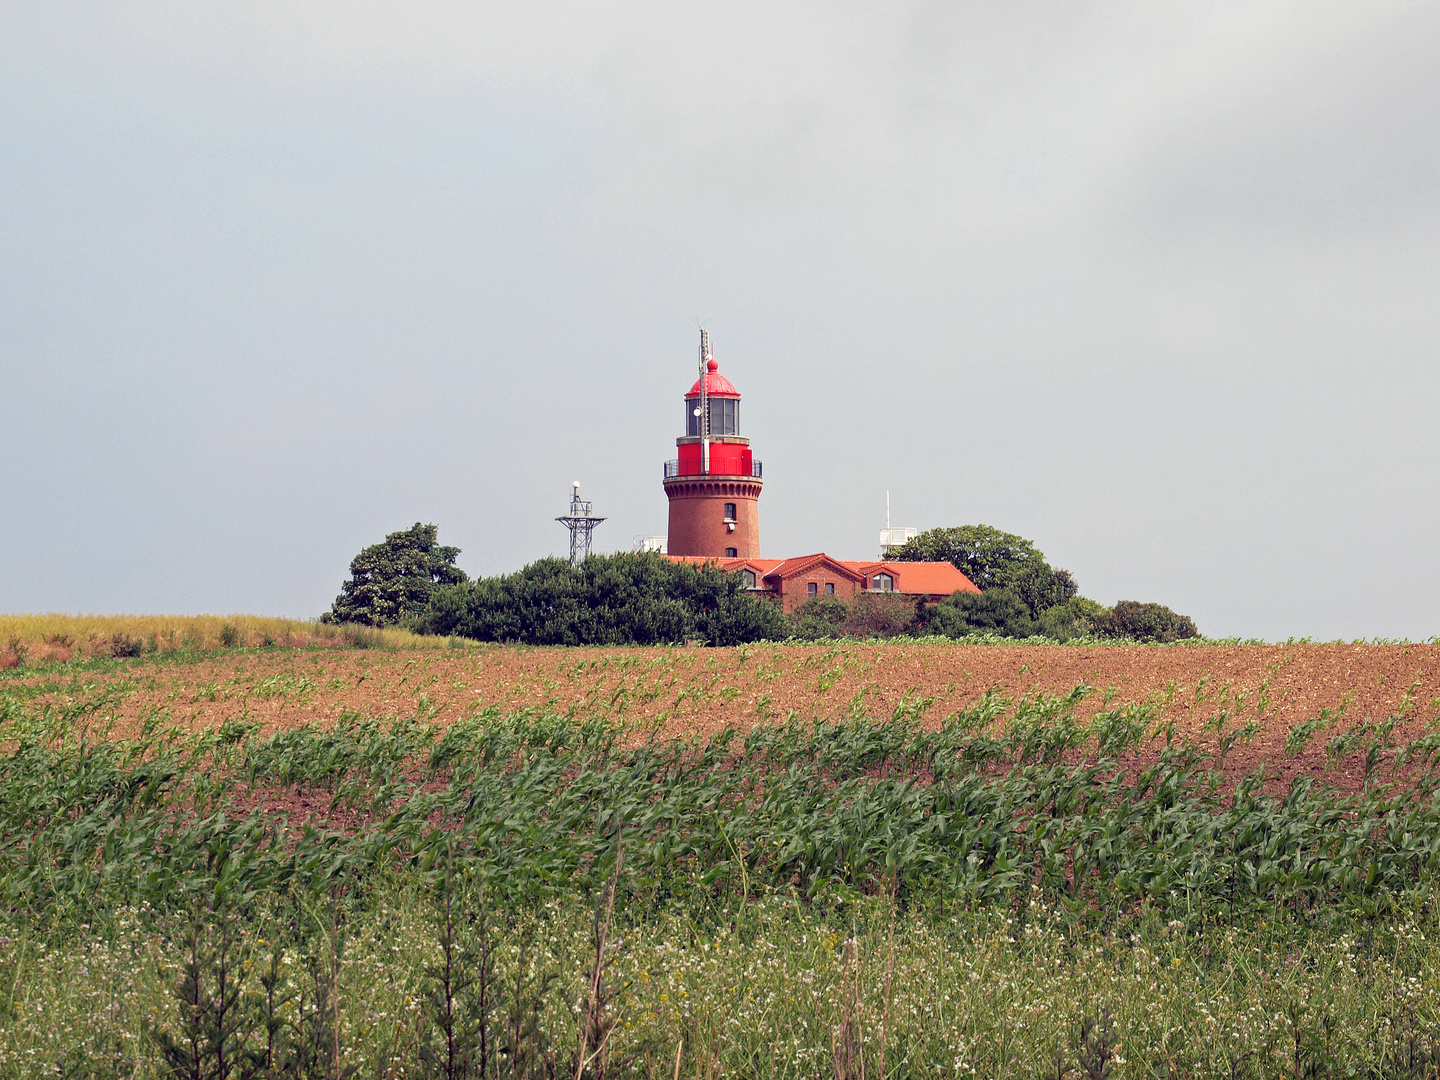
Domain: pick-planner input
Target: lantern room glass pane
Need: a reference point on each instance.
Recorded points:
(722, 416)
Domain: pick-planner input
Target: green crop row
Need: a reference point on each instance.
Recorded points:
(1006, 795)
(1030, 888)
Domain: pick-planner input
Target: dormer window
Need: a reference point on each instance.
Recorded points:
(882, 583)
(747, 577)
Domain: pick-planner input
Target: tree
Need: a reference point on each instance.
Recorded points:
(1145, 622)
(394, 580)
(986, 555)
(993, 559)
(998, 611)
(1042, 588)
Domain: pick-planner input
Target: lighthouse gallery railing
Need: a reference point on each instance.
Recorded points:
(672, 468)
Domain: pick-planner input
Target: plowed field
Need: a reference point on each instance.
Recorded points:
(700, 691)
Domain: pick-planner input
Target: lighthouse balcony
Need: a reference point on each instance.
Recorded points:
(685, 467)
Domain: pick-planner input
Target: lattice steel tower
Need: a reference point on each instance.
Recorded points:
(581, 523)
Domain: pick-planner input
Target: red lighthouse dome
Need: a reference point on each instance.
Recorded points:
(714, 484)
(715, 383)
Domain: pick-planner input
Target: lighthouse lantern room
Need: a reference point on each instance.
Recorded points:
(714, 484)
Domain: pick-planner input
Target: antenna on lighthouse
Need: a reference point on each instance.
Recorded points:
(581, 523)
(706, 355)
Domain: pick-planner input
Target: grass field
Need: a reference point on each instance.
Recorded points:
(38, 639)
(779, 861)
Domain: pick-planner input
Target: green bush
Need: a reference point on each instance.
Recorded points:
(997, 611)
(816, 620)
(1145, 622)
(883, 615)
(624, 599)
(1076, 617)
(863, 616)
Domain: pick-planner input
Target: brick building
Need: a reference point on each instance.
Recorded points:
(819, 577)
(714, 486)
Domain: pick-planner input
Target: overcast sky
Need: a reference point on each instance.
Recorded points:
(1156, 286)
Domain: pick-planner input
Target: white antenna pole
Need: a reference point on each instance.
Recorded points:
(704, 402)
(887, 508)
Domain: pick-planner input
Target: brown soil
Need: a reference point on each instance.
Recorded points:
(699, 691)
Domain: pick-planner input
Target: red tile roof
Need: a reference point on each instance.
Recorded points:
(762, 567)
(932, 578)
(919, 577)
(788, 568)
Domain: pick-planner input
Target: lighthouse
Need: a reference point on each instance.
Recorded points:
(714, 484)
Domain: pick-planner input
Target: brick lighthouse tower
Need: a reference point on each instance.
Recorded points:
(714, 485)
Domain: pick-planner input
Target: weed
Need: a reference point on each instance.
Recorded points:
(210, 1041)
(122, 645)
(362, 637)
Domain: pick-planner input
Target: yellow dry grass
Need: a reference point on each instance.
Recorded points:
(57, 636)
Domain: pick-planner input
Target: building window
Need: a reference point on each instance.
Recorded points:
(729, 511)
(811, 589)
(829, 588)
(748, 578)
(731, 553)
(882, 583)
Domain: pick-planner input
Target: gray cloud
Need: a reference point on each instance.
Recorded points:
(1151, 286)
